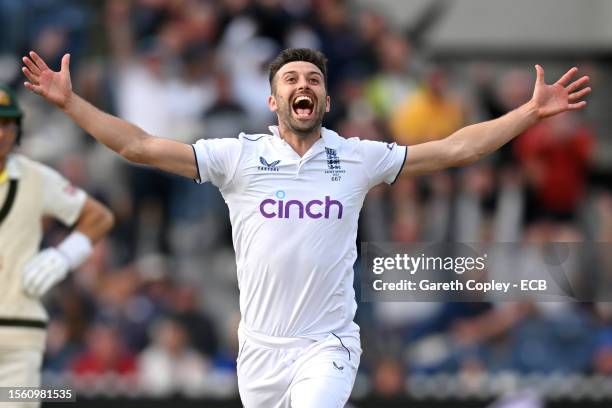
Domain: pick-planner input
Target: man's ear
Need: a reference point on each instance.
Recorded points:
(327, 103)
(272, 103)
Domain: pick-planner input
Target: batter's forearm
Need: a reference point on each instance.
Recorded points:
(483, 138)
(117, 134)
(95, 220)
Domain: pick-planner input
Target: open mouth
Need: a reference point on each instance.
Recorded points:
(303, 106)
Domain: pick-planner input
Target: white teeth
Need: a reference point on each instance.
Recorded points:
(302, 98)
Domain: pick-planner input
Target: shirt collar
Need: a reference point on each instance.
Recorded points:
(330, 138)
(12, 167)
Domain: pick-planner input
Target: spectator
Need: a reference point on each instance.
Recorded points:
(169, 365)
(431, 113)
(104, 354)
(555, 156)
(199, 327)
(388, 378)
(395, 82)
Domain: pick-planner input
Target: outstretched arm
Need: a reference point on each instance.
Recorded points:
(130, 141)
(470, 143)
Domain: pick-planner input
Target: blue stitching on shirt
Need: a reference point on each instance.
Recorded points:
(340, 340)
(252, 140)
(197, 165)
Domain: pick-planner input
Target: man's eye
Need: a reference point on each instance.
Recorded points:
(291, 80)
(314, 81)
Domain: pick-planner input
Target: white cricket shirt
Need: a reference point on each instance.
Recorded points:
(294, 224)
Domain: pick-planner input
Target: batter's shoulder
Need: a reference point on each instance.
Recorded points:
(23, 167)
(18, 163)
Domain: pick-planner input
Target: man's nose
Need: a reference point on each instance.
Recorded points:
(302, 83)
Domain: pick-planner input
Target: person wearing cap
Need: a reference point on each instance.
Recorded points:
(30, 191)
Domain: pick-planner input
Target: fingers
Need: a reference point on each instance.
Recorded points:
(573, 97)
(39, 61)
(43, 271)
(44, 287)
(575, 106)
(574, 86)
(65, 63)
(33, 278)
(31, 66)
(567, 76)
(28, 73)
(37, 89)
(35, 284)
(577, 84)
(539, 75)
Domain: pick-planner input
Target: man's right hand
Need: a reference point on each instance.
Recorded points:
(130, 141)
(55, 87)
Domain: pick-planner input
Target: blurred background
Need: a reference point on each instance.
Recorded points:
(152, 316)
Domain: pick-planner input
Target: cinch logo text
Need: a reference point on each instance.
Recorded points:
(271, 208)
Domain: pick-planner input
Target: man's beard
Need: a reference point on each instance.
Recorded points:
(299, 128)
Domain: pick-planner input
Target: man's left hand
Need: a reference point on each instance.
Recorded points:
(43, 271)
(559, 97)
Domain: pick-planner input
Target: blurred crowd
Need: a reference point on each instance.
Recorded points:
(157, 305)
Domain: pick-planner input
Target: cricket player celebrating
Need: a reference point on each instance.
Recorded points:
(30, 191)
(294, 198)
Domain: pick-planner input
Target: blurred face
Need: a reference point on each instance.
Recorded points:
(172, 337)
(104, 343)
(8, 132)
(299, 97)
(437, 82)
(393, 52)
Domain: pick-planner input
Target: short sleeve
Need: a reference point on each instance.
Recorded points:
(61, 200)
(383, 161)
(217, 160)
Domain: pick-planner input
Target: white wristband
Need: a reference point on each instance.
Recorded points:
(76, 247)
